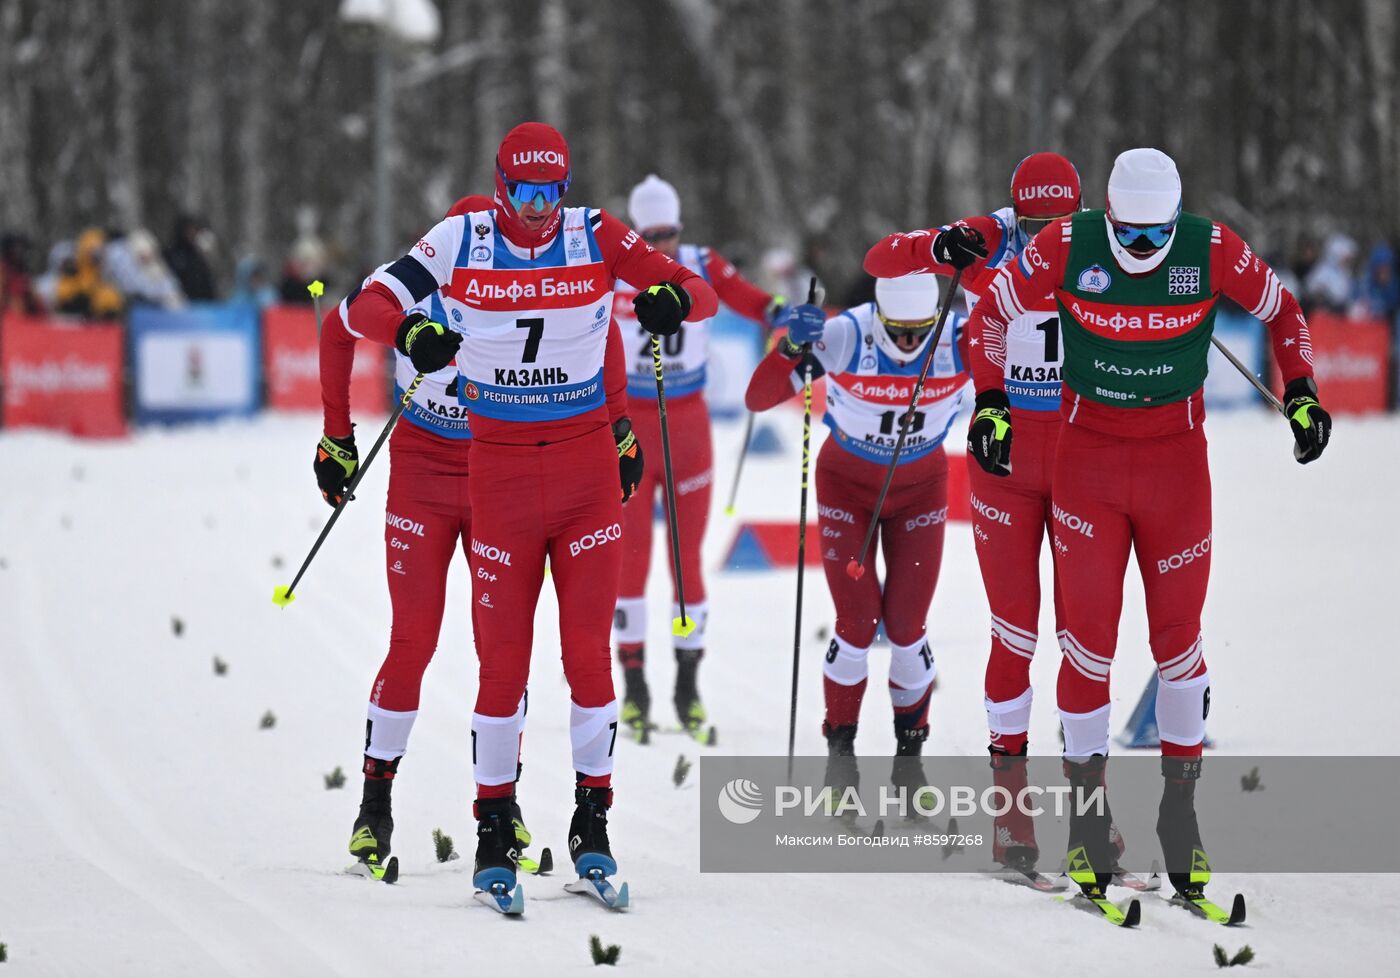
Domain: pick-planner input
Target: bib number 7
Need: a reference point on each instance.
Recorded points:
(532, 338)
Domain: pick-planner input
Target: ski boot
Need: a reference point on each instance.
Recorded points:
(907, 770)
(689, 710)
(496, 848)
(590, 851)
(1090, 856)
(1188, 869)
(636, 703)
(842, 773)
(374, 826)
(1013, 834)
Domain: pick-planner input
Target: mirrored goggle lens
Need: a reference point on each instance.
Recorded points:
(541, 194)
(917, 329)
(1157, 235)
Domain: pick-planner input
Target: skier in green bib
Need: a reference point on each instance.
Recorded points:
(1136, 286)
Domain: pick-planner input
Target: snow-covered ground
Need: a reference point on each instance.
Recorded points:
(154, 829)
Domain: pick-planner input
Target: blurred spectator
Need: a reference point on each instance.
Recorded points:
(251, 283)
(1380, 292)
(60, 264)
(82, 288)
(188, 257)
(16, 289)
(134, 265)
(307, 261)
(1331, 283)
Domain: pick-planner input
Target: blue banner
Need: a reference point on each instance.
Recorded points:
(195, 364)
(1243, 335)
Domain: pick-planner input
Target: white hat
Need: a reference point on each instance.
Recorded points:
(909, 298)
(1144, 188)
(654, 203)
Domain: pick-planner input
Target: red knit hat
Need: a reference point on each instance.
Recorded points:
(1045, 185)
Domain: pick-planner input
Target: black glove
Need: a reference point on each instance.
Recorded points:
(959, 246)
(629, 457)
(989, 436)
(336, 460)
(431, 346)
(662, 308)
(1312, 426)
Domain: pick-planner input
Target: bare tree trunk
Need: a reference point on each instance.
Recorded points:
(257, 109)
(204, 190)
(124, 173)
(1380, 34)
(552, 65)
(19, 50)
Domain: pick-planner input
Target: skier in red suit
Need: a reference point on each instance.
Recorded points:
(526, 290)
(1011, 516)
(655, 210)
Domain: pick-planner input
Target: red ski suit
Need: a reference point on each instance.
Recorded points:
(688, 419)
(1011, 516)
(544, 465)
(1132, 478)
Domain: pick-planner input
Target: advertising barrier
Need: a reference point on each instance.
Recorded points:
(291, 358)
(62, 375)
(1350, 362)
(194, 364)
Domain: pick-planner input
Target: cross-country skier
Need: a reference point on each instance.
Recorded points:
(1136, 287)
(527, 292)
(1011, 515)
(655, 210)
(427, 512)
(872, 355)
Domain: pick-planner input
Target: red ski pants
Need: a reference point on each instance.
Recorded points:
(1151, 495)
(1011, 517)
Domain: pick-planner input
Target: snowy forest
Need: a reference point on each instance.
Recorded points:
(815, 125)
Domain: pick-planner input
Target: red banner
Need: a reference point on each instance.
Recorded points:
(292, 362)
(1350, 360)
(62, 375)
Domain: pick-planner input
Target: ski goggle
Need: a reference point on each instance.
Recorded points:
(1157, 235)
(653, 235)
(916, 330)
(543, 195)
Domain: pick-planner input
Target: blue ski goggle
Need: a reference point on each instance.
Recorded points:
(543, 195)
(1157, 235)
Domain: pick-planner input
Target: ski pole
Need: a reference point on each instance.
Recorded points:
(282, 595)
(1249, 375)
(739, 470)
(801, 532)
(856, 568)
(682, 625)
(317, 289)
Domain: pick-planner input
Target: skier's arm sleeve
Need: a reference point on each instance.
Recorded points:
(773, 381)
(1244, 277)
(1012, 292)
(615, 373)
(631, 259)
(912, 251)
(736, 292)
(337, 364)
(377, 310)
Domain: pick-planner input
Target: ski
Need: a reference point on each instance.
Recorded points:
(1197, 903)
(510, 903)
(370, 869)
(539, 867)
(704, 736)
(600, 888)
(1121, 877)
(1030, 878)
(1105, 908)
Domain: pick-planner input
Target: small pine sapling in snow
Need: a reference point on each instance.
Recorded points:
(336, 779)
(1250, 781)
(1243, 956)
(220, 666)
(4, 952)
(177, 625)
(268, 721)
(442, 844)
(602, 955)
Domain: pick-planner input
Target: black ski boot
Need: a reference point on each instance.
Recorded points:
(588, 833)
(496, 848)
(1091, 858)
(907, 771)
(374, 826)
(1188, 869)
(636, 701)
(841, 770)
(689, 710)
